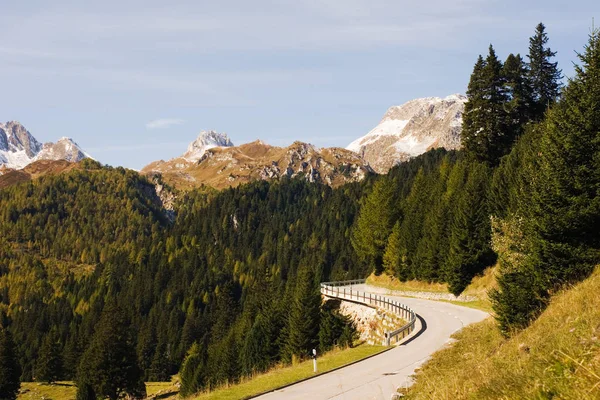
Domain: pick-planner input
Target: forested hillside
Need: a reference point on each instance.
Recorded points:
(232, 273)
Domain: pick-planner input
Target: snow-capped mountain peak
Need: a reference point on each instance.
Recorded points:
(206, 140)
(411, 129)
(18, 147)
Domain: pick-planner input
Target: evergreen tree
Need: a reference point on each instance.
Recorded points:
(303, 322)
(336, 329)
(470, 250)
(10, 371)
(192, 373)
(160, 366)
(520, 103)
(484, 132)
(49, 367)
(377, 216)
(109, 367)
(394, 258)
(258, 349)
(544, 75)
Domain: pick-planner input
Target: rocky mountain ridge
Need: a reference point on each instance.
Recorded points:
(222, 167)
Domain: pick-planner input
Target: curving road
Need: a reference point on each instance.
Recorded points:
(379, 377)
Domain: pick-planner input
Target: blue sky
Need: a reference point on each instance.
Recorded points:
(135, 81)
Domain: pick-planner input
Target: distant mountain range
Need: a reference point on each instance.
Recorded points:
(405, 131)
(18, 148)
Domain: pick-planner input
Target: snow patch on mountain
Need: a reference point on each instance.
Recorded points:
(412, 129)
(206, 140)
(18, 147)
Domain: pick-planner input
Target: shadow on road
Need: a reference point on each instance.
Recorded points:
(423, 329)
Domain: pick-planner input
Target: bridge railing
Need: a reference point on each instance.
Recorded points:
(344, 290)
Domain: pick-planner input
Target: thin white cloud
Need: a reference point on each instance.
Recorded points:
(162, 123)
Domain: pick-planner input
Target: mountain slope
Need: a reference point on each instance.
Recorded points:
(36, 169)
(558, 356)
(410, 130)
(19, 148)
(222, 167)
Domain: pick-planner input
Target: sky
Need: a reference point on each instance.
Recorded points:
(136, 81)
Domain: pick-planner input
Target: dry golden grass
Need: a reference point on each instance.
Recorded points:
(392, 283)
(68, 391)
(479, 287)
(557, 357)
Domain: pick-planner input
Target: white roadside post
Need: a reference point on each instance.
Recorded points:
(314, 356)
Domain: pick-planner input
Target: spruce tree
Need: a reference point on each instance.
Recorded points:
(544, 75)
(473, 138)
(519, 92)
(192, 373)
(108, 368)
(10, 370)
(484, 132)
(49, 367)
(394, 258)
(257, 350)
(303, 321)
(469, 242)
(377, 216)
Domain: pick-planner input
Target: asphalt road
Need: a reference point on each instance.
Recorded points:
(378, 377)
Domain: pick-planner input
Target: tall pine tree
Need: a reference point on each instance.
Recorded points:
(108, 368)
(520, 97)
(544, 75)
(377, 216)
(10, 371)
(484, 131)
(470, 250)
(49, 367)
(303, 322)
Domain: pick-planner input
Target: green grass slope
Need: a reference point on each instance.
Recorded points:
(557, 357)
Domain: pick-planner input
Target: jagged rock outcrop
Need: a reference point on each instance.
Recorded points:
(411, 129)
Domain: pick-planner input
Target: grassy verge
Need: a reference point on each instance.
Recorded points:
(479, 287)
(482, 305)
(55, 391)
(273, 379)
(557, 357)
(285, 375)
(68, 390)
(392, 283)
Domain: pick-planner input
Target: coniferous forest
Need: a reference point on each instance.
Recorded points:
(96, 276)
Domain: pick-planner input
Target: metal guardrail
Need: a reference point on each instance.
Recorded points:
(343, 290)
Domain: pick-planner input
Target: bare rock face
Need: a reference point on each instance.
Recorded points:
(411, 129)
(222, 167)
(18, 148)
(64, 149)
